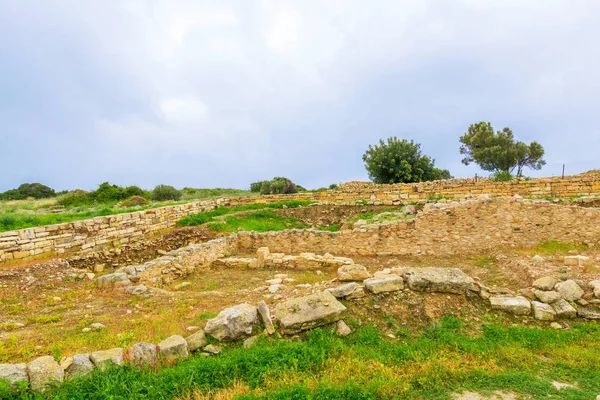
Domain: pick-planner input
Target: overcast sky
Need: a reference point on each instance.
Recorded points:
(223, 93)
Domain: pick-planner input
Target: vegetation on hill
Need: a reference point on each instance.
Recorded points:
(442, 360)
(498, 152)
(400, 161)
(277, 185)
(28, 190)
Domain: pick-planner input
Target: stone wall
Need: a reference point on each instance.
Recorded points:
(112, 231)
(468, 227)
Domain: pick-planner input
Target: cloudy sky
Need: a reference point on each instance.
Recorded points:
(222, 93)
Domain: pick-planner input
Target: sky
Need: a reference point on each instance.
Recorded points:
(223, 93)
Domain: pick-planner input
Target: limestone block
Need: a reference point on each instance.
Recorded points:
(232, 323)
(543, 311)
(569, 290)
(307, 312)
(265, 316)
(44, 371)
(143, 355)
(196, 341)
(353, 272)
(103, 359)
(344, 290)
(547, 296)
(78, 365)
(13, 372)
(564, 309)
(517, 305)
(432, 279)
(173, 347)
(544, 283)
(384, 283)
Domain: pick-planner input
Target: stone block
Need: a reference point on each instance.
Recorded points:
(443, 280)
(384, 283)
(517, 305)
(104, 359)
(173, 348)
(44, 371)
(307, 312)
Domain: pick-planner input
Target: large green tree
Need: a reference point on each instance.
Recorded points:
(498, 151)
(400, 161)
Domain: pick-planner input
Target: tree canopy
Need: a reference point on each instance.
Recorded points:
(498, 151)
(400, 161)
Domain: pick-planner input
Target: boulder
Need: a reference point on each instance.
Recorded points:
(44, 371)
(78, 365)
(111, 280)
(232, 323)
(344, 290)
(537, 259)
(196, 341)
(342, 329)
(251, 341)
(595, 285)
(548, 297)
(569, 290)
(357, 294)
(564, 309)
(353, 272)
(384, 283)
(265, 316)
(432, 279)
(104, 359)
(518, 305)
(173, 348)
(143, 355)
(543, 311)
(13, 372)
(588, 313)
(545, 283)
(303, 313)
(576, 261)
(212, 349)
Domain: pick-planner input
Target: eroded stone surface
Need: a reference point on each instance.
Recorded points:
(78, 365)
(569, 290)
(13, 372)
(545, 283)
(564, 309)
(196, 341)
(433, 279)
(143, 354)
(384, 283)
(344, 290)
(353, 272)
(44, 371)
(588, 312)
(232, 323)
(303, 313)
(173, 347)
(517, 305)
(265, 316)
(543, 311)
(103, 359)
(547, 296)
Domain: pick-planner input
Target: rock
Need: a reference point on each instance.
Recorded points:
(212, 349)
(173, 348)
(342, 329)
(556, 325)
(97, 326)
(111, 280)
(548, 297)
(44, 371)
(303, 313)
(569, 290)
(527, 293)
(588, 313)
(383, 272)
(13, 372)
(232, 323)
(357, 294)
(265, 316)
(276, 281)
(537, 260)
(432, 279)
(353, 272)
(359, 223)
(344, 290)
(78, 365)
(143, 355)
(104, 359)
(251, 341)
(577, 261)
(386, 283)
(595, 285)
(545, 283)
(543, 311)
(518, 305)
(196, 341)
(564, 309)
(135, 290)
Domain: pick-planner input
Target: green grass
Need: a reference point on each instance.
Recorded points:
(259, 221)
(9, 222)
(367, 365)
(209, 216)
(330, 228)
(556, 247)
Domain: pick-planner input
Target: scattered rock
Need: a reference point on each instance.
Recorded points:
(13, 372)
(569, 290)
(265, 316)
(543, 311)
(143, 355)
(232, 323)
(588, 312)
(196, 341)
(212, 349)
(97, 326)
(44, 371)
(556, 325)
(564, 309)
(251, 341)
(173, 348)
(545, 283)
(518, 305)
(344, 290)
(78, 365)
(112, 280)
(342, 329)
(303, 313)
(104, 359)
(537, 260)
(577, 261)
(595, 285)
(384, 283)
(353, 272)
(548, 297)
(432, 279)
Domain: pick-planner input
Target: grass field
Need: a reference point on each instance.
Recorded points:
(433, 364)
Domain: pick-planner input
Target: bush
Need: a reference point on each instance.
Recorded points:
(255, 187)
(277, 185)
(75, 198)
(131, 191)
(165, 192)
(26, 190)
(502, 176)
(135, 201)
(333, 186)
(107, 193)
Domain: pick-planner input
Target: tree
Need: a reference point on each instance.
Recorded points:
(498, 151)
(277, 185)
(400, 161)
(35, 190)
(165, 192)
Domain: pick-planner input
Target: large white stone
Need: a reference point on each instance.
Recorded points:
(344, 290)
(104, 359)
(173, 348)
(543, 311)
(232, 323)
(265, 316)
(353, 272)
(143, 355)
(569, 290)
(196, 341)
(78, 365)
(44, 371)
(564, 309)
(384, 283)
(13, 372)
(307, 312)
(518, 305)
(433, 279)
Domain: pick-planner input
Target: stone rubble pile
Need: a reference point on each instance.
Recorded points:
(265, 259)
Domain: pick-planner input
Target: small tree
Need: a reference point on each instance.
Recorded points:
(400, 161)
(498, 151)
(165, 192)
(277, 185)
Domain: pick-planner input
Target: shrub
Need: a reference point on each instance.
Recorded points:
(135, 201)
(131, 191)
(75, 198)
(333, 186)
(502, 176)
(165, 192)
(26, 190)
(107, 193)
(277, 185)
(255, 187)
